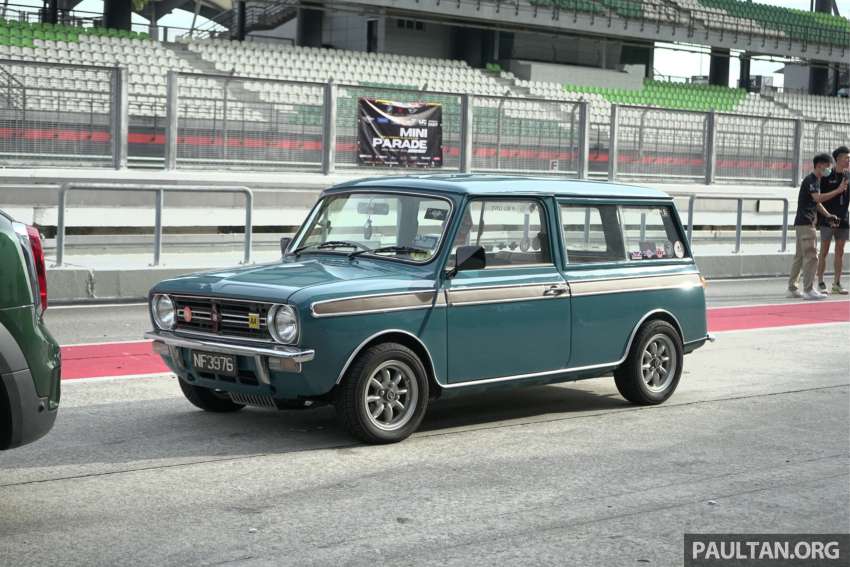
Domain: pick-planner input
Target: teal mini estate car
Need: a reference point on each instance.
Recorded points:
(398, 290)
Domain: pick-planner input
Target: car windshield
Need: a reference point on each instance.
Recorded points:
(398, 226)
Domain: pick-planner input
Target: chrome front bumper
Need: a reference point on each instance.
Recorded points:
(291, 353)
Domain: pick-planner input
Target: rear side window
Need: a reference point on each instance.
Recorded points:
(512, 232)
(652, 234)
(592, 234)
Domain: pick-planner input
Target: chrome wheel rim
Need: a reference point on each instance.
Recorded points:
(658, 363)
(391, 395)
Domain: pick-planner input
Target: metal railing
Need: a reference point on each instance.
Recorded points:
(159, 192)
(739, 217)
(264, 123)
(231, 121)
(63, 112)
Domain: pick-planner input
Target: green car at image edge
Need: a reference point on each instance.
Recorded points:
(29, 355)
(399, 290)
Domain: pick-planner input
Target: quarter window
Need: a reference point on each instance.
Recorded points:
(592, 234)
(512, 232)
(651, 234)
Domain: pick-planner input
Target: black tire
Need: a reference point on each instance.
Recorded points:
(630, 376)
(351, 404)
(207, 399)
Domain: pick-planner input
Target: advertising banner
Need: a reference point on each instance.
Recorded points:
(399, 134)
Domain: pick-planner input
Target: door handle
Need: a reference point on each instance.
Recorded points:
(557, 289)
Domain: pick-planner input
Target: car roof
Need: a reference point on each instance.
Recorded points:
(480, 184)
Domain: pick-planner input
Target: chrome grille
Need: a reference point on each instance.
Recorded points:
(231, 321)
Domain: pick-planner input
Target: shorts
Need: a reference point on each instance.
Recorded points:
(828, 233)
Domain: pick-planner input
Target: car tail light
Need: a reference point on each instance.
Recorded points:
(40, 268)
(34, 258)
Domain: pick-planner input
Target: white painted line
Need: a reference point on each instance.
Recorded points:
(782, 328)
(94, 305)
(67, 381)
(139, 341)
(761, 278)
(781, 303)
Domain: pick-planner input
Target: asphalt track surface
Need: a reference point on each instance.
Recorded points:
(754, 440)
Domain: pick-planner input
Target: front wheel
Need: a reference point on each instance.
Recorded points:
(654, 365)
(208, 399)
(384, 394)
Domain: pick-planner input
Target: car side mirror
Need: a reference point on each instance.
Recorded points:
(284, 244)
(468, 258)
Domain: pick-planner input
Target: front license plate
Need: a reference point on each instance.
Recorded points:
(223, 364)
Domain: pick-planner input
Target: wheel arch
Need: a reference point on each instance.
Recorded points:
(404, 338)
(649, 317)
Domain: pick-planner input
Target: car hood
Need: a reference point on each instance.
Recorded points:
(275, 282)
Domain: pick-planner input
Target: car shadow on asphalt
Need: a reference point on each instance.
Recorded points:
(506, 405)
(108, 436)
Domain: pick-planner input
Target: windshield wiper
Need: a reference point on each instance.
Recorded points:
(396, 249)
(329, 244)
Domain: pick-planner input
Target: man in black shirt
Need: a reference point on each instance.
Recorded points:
(808, 205)
(837, 206)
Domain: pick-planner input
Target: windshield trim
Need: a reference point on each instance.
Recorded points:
(365, 190)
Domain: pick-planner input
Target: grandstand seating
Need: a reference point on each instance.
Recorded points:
(795, 24)
(733, 15)
(827, 108)
(149, 61)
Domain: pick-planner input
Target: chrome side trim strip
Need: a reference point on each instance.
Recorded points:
(377, 303)
(480, 295)
(370, 338)
(523, 376)
(607, 286)
(298, 355)
(574, 368)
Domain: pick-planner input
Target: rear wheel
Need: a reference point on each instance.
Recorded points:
(384, 394)
(208, 399)
(654, 365)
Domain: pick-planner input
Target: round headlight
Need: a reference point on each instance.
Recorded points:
(283, 324)
(162, 309)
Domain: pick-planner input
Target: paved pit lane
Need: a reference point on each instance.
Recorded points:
(754, 440)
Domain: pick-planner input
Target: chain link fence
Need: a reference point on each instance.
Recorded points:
(248, 123)
(663, 144)
(148, 122)
(754, 148)
(53, 113)
(524, 136)
(822, 137)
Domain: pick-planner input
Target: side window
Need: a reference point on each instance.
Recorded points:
(592, 234)
(651, 234)
(512, 232)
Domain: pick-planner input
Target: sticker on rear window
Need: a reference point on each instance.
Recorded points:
(435, 214)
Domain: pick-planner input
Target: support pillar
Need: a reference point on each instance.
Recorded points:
(718, 73)
(744, 75)
(241, 24)
(117, 13)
